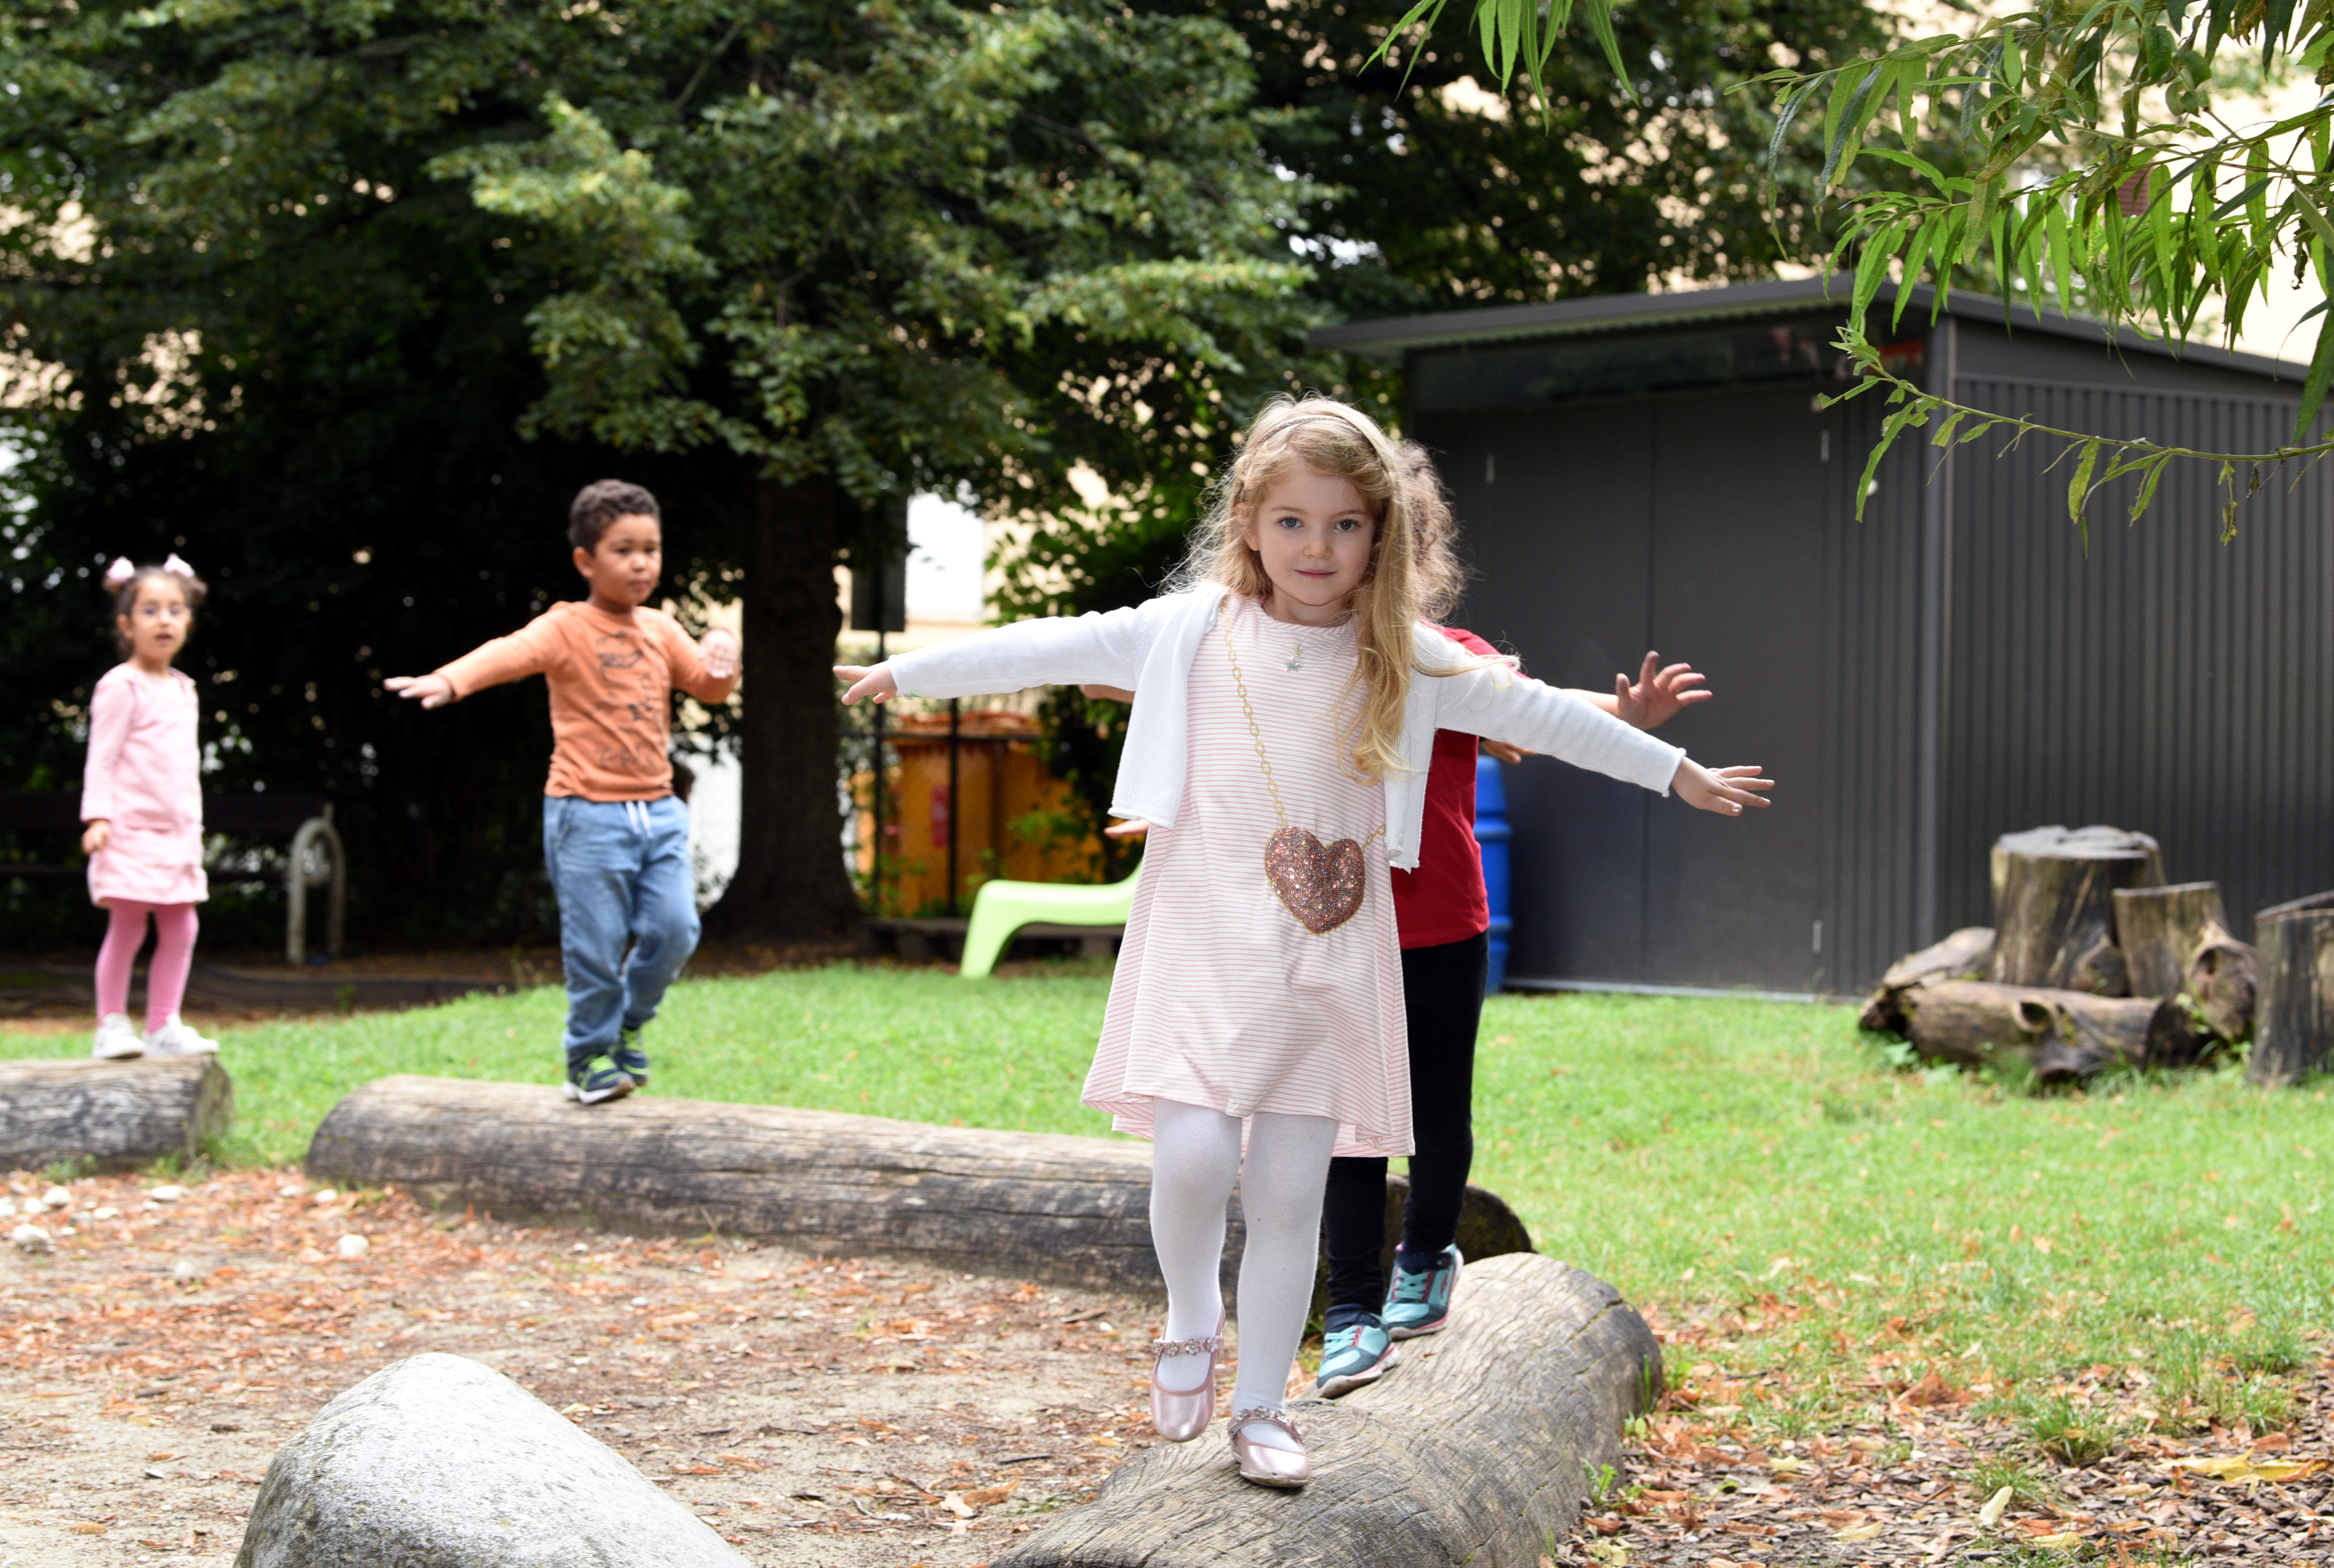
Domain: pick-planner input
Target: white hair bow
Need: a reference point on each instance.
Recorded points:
(172, 563)
(120, 573)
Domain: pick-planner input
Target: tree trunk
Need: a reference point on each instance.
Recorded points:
(2223, 979)
(1479, 1448)
(1964, 954)
(791, 884)
(2064, 1034)
(2159, 930)
(115, 1115)
(2294, 1031)
(2054, 910)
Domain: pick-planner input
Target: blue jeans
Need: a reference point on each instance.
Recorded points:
(623, 873)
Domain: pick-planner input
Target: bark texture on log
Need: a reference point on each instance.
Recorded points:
(1478, 1448)
(2065, 1035)
(2053, 906)
(2159, 930)
(2294, 1033)
(116, 1115)
(1963, 956)
(2223, 979)
(1051, 1205)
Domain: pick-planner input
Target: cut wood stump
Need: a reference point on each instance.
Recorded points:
(2054, 909)
(111, 1115)
(1046, 1204)
(2224, 980)
(1963, 956)
(2159, 930)
(2064, 1034)
(2293, 1034)
(1478, 1448)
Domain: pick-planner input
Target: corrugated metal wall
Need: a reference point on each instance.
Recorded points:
(2162, 680)
(1869, 789)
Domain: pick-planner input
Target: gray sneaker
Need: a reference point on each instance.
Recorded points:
(174, 1038)
(117, 1039)
(594, 1081)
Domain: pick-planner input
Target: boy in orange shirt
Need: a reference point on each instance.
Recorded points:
(615, 838)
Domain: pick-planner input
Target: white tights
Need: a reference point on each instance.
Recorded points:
(1195, 1159)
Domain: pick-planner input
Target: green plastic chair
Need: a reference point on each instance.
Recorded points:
(1001, 909)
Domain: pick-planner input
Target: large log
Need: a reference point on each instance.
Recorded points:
(2293, 1033)
(1046, 1204)
(1963, 956)
(1478, 1448)
(2054, 909)
(2159, 930)
(2064, 1034)
(111, 1115)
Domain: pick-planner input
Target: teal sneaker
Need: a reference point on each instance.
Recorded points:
(1419, 1303)
(629, 1059)
(1360, 1353)
(597, 1079)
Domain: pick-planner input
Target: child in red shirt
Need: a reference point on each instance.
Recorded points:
(1443, 919)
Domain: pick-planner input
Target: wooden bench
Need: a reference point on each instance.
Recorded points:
(315, 859)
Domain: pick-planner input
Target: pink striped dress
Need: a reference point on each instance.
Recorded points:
(1221, 998)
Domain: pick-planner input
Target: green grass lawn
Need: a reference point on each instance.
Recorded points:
(1757, 1175)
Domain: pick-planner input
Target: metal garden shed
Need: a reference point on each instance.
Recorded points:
(1650, 471)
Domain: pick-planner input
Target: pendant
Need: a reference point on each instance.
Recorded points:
(1320, 884)
(1296, 657)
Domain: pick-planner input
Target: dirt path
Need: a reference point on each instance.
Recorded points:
(815, 1412)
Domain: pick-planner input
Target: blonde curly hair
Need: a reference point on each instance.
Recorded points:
(1413, 573)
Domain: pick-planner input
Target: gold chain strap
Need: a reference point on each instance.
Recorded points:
(1256, 734)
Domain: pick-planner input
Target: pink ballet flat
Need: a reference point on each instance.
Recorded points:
(1181, 1416)
(1263, 1464)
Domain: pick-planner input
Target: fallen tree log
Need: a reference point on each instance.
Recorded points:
(2054, 909)
(2064, 1034)
(111, 1115)
(1963, 956)
(1478, 1448)
(1046, 1204)
(2293, 1032)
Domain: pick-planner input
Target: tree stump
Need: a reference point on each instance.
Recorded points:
(2065, 1035)
(2054, 909)
(1963, 956)
(2223, 979)
(2159, 930)
(1063, 1207)
(111, 1115)
(2293, 1031)
(1478, 1448)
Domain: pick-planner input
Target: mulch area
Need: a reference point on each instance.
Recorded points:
(815, 1411)
(1920, 1483)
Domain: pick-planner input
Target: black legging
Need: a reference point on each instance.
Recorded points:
(1443, 1000)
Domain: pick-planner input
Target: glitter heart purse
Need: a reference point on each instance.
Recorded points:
(1320, 884)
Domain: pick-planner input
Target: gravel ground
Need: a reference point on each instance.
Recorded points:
(815, 1411)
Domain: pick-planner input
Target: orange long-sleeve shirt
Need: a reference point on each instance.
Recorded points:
(612, 680)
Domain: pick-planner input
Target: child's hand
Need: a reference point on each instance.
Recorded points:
(1108, 692)
(1725, 791)
(1132, 828)
(428, 690)
(874, 683)
(96, 836)
(1658, 694)
(1506, 752)
(721, 651)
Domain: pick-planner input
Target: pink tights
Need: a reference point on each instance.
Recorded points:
(166, 977)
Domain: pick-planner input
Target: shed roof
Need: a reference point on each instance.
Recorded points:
(1392, 338)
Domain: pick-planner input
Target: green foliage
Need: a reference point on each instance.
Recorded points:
(2070, 1433)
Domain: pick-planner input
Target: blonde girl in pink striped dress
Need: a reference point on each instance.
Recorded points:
(1286, 698)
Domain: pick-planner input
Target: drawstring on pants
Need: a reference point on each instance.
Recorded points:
(637, 814)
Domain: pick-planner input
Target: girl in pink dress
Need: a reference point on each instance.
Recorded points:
(141, 798)
(1286, 699)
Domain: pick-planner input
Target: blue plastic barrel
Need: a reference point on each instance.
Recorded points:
(1491, 845)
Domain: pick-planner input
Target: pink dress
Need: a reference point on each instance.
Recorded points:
(1221, 998)
(144, 775)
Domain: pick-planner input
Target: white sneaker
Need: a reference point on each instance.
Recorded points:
(116, 1040)
(175, 1039)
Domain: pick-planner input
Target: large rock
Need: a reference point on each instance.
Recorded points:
(438, 1462)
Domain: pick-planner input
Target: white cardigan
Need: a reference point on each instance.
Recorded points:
(1149, 649)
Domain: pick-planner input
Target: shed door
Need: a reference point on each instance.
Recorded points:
(1692, 523)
